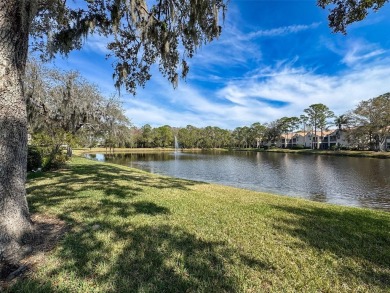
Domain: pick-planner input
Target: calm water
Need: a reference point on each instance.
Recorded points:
(363, 182)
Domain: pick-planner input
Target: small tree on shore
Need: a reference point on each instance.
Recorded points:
(318, 114)
(60, 104)
(372, 122)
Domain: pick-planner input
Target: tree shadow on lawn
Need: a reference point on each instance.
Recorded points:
(100, 175)
(154, 259)
(82, 181)
(354, 233)
(108, 251)
(169, 259)
(118, 256)
(106, 174)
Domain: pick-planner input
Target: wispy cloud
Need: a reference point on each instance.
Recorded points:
(361, 53)
(356, 51)
(237, 52)
(231, 51)
(262, 94)
(300, 88)
(97, 44)
(284, 92)
(282, 31)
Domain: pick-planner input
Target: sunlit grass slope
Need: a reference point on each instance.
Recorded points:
(132, 231)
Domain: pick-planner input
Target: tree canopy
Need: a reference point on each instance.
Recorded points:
(371, 122)
(168, 33)
(345, 12)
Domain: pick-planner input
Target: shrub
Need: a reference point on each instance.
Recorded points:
(54, 161)
(34, 158)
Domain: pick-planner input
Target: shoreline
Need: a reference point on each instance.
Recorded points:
(361, 154)
(243, 187)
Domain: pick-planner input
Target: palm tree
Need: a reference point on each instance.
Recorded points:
(340, 121)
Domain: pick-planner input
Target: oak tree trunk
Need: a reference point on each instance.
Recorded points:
(15, 225)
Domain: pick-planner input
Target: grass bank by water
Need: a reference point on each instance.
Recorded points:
(131, 231)
(81, 151)
(368, 154)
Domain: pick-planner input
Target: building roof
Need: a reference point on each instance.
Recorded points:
(306, 133)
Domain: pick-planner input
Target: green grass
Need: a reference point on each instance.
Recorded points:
(79, 151)
(132, 231)
(370, 154)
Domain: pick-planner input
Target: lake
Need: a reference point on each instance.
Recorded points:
(351, 181)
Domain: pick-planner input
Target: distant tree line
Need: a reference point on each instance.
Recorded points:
(366, 127)
(66, 110)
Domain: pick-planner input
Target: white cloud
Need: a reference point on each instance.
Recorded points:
(245, 101)
(281, 31)
(354, 52)
(302, 88)
(361, 54)
(229, 51)
(97, 43)
(235, 49)
(180, 107)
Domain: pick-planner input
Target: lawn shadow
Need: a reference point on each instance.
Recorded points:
(349, 233)
(107, 250)
(159, 258)
(114, 182)
(169, 259)
(149, 208)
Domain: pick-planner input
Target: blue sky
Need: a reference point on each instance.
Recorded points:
(273, 59)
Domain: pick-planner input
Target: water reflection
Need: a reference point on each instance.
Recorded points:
(340, 180)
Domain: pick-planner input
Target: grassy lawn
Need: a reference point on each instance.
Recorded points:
(80, 151)
(131, 231)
